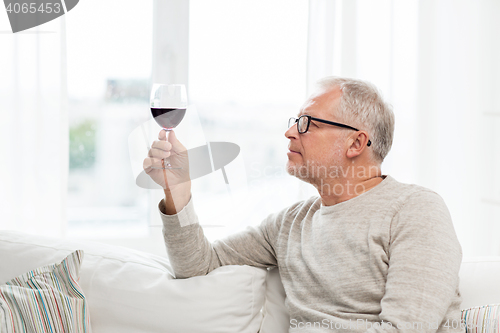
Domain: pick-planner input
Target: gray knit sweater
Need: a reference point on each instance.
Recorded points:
(386, 259)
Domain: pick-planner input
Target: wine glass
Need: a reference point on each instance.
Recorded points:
(168, 107)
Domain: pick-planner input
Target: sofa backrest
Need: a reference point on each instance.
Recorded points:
(480, 281)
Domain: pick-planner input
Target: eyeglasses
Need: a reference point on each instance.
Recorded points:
(304, 121)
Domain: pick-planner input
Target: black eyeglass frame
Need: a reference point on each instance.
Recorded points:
(309, 118)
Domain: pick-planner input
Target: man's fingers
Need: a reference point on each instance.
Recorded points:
(158, 153)
(162, 145)
(173, 144)
(151, 164)
(162, 135)
(176, 144)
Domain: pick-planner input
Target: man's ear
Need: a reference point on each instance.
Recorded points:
(357, 144)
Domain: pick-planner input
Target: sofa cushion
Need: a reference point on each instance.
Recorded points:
(276, 317)
(131, 291)
(46, 299)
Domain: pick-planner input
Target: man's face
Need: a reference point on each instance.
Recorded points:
(319, 152)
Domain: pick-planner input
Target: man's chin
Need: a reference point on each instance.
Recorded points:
(298, 171)
(291, 168)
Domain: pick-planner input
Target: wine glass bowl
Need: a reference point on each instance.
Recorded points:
(168, 106)
(168, 118)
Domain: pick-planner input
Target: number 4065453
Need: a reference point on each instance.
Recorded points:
(33, 8)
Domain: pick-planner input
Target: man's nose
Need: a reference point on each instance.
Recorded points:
(292, 132)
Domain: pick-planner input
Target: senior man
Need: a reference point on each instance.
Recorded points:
(370, 254)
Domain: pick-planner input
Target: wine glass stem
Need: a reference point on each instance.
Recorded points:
(166, 161)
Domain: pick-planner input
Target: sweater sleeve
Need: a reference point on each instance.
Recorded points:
(424, 262)
(191, 254)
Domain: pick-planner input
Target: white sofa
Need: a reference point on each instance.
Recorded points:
(130, 291)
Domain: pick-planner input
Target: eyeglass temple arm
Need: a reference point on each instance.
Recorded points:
(334, 123)
(338, 125)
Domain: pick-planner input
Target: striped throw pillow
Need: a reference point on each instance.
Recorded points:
(484, 319)
(47, 299)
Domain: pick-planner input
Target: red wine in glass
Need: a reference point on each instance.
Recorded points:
(168, 118)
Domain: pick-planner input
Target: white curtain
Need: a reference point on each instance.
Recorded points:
(33, 130)
(437, 63)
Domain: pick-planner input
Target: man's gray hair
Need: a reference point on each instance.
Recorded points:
(362, 106)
